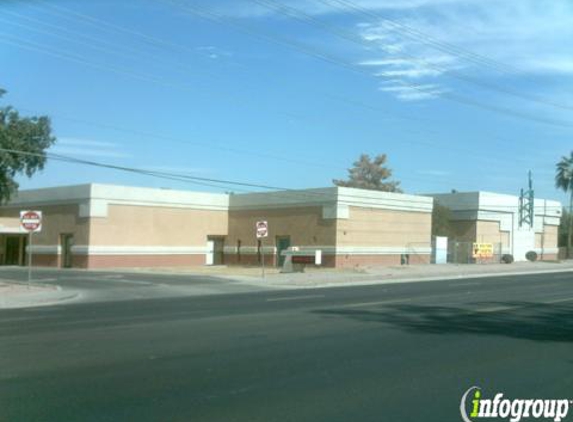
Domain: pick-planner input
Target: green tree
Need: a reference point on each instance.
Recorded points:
(564, 227)
(31, 135)
(370, 174)
(564, 181)
(441, 221)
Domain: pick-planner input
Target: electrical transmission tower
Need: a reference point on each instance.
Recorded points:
(526, 205)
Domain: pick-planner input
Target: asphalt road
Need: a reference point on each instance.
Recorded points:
(403, 352)
(98, 286)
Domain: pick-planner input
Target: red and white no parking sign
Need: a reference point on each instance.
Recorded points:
(262, 229)
(31, 221)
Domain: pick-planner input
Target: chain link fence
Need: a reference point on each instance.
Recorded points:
(417, 253)
(463, 253)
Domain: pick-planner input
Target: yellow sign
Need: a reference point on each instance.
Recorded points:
(483, 250)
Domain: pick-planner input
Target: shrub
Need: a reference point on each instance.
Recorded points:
(531, 256)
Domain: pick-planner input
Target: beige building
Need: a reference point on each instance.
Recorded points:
(487, 217)
(95, 226)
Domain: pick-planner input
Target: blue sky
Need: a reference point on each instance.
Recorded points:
(464, 94)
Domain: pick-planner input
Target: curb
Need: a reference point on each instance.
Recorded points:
(37, 304)
(32, 284)
(412, 279)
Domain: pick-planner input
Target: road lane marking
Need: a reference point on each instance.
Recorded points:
(509, 308)
(475, 283)
(279, 299)
(117, 281)
(381, 302)
(545, 286)
(567, 299)
(496, 309)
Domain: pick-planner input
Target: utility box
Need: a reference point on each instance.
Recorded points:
(296, 260)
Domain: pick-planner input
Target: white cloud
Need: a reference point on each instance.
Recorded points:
(505, 39)
(88, 148)
(550, 65)
(213, 52)
(413, 92)
(409, 73)
(421, 40)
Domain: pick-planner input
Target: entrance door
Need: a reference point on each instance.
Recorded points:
(283, 243)
(210, 256)
(67, 241)
(215, 251)
(13, 251)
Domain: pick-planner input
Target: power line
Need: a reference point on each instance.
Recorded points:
(98, 23)
(351, 101)
(424, 38)
(44, 49)
(109, 48)
(180, 177)
(338, 98)
(183, 177)
(314, 164)
(77, 58)
(352, 37)
(316, 161)
(249, 152)
(287, 192)
(276, 157)
(209, 15)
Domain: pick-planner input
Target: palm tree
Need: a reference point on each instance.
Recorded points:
(564, 181)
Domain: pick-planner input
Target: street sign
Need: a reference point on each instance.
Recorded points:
(483, 250)
(262, 228)
(31, 221)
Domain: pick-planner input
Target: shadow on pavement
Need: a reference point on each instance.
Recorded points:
(525, 320)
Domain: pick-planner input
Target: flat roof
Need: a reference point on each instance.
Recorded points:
(119, 194)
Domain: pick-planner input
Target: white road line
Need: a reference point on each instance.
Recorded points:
(496, 309)
(108, 280)
(509, 308)
(279, 299)
(382, 302)
(476, 283)
(545, 286)
(567, 299)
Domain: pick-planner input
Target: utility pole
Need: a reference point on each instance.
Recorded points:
(570, 216)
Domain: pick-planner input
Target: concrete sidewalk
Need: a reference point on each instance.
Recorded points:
(324, 277)
(413, 273)
(14, 294)
(20, 295)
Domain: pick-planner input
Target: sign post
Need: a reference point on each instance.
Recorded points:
(262, 231)
(30, 222)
